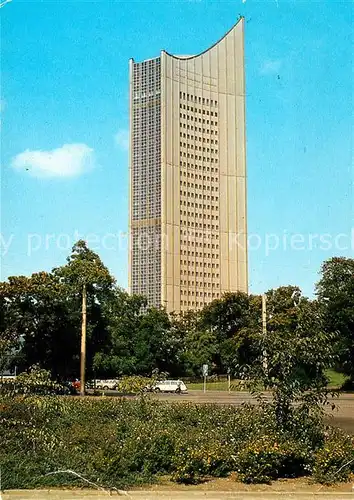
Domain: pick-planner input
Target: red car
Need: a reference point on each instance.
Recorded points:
(76, 384)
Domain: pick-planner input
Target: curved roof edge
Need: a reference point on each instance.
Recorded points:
(241, 18)
(144, 60)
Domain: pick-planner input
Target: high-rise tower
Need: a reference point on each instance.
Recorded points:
(188, 220)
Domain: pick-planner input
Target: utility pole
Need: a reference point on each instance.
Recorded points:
(83, 342)
(264, 330)
(205, 374)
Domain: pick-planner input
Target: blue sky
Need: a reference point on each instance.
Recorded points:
(64, 120)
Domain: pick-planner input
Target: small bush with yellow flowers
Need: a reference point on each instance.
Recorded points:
(267, 459)
(334, 462)
(200, 458)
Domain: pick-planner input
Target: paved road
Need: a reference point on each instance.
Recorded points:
(344, 403)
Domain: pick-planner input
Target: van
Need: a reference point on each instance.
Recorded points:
(170, 386)
(105, 385)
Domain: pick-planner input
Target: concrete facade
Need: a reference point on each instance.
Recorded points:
(188, 220)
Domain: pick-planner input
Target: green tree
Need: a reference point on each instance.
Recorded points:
(231, 319)
(293, 353)
(36, 316)
(200, 349)
(44, 311)
(117, 357)
(86, 275)
(153, 347)
(219, 335)
(85, 267)
(335, 291)
(9, 334)
(194, 346)
(139, 338)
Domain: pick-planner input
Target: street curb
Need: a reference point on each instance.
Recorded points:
(171, 495)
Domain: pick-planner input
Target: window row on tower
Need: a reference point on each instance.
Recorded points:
(198, 263)
(200, 274)
(201, 206)
(197, 99)
(205, 159)
(199, 215)
(199, 120)
(199, 110)
(197, 293)
(191, 233)
(201, 225)
(198, 138)
(205, 255)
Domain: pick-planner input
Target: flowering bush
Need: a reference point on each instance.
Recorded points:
(200, 457)
(335, 460)
(267, 458)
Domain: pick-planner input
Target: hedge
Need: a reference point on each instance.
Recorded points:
(123, 442)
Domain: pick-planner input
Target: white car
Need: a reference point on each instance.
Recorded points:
(106, 385)
(170, 386)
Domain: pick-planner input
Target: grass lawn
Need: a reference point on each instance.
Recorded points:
(214, 386)
(336, 380)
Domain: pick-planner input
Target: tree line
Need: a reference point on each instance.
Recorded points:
(40, 324)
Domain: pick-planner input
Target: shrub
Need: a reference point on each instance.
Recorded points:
(335, 461)
(199, 458)
(266, 459)
(134, 384)
(36, 381)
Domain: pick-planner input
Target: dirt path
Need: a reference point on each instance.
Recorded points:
(218, 489)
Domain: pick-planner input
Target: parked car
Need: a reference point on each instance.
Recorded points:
(177, 386)
(106, 385)
(5, 377)
(76, 384)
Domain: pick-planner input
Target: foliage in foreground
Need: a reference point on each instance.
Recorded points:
(119, 443)
(34, 382)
